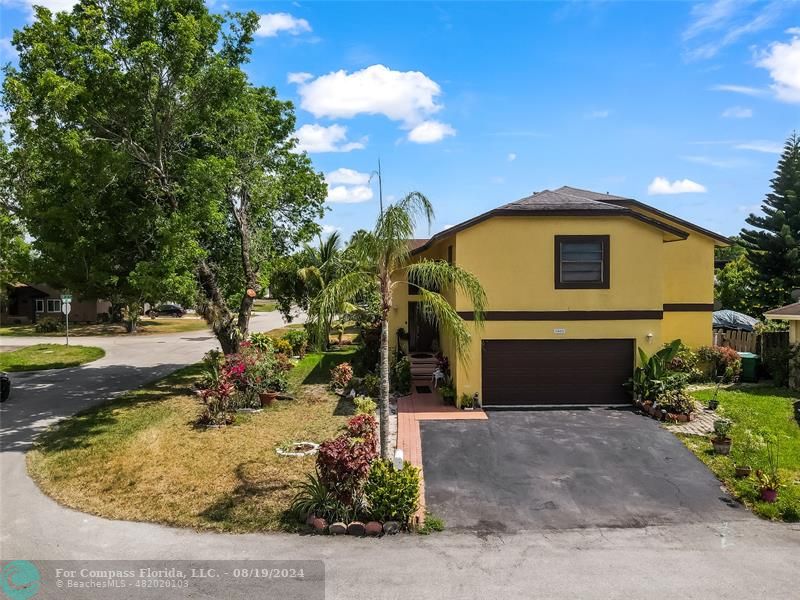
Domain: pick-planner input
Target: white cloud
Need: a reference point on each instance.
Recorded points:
(512, 156)
(598, 114)
(348, 177)
(720, 23)
(760, 146)
(498, 180)
(347, 194)
(409, 97)
(738, 89)
(298, 77)
(721, 163)
(662, 185)
(428, 132)
(52, 5)
(783, 63)
(272, 24)
(313, 137)
(329, 229)
(737, 112)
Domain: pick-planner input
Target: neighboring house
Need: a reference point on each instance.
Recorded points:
(789, 313)
(575, 281)
(28, 303)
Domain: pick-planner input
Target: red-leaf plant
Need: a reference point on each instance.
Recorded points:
(343, 463)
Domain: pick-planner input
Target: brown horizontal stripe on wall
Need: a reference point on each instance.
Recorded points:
(688, 307)
(565, 315)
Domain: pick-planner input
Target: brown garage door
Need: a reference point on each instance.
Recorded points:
(542, 372)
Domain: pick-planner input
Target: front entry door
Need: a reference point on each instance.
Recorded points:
(421, 332)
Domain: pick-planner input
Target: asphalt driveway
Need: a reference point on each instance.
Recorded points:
(566, 469)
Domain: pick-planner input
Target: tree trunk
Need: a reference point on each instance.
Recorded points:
(384, 409)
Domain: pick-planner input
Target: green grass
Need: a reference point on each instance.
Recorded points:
(764, 411)
(315, 367)
(432, 524)
(140, 458)
(48, 356)
(260, 306)
(146, 326)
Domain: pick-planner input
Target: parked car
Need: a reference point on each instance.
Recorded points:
(5, 387)
(166, 310)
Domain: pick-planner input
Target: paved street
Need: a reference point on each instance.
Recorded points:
(712, 559)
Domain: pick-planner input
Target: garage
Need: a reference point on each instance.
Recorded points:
(556, 372)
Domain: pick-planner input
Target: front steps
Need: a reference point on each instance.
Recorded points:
(423, 364)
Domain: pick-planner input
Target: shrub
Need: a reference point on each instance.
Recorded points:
(341, 375)
(721, 361)
(674, 397)
(343, 463)
(262, 342)
(648, 377)
(401, 375)
(218, 400)
(363, 428)
(298, 339)
(48, 325)
(314, 497)
(392, 495)
(777, 362)
(364, 405)
(372, 385)
(283, 347)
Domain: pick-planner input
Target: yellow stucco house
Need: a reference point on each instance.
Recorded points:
(575, 280)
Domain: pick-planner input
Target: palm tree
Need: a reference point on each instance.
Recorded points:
(326, 263)
(385, 262)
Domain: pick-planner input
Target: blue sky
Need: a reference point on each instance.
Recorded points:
(681, 105)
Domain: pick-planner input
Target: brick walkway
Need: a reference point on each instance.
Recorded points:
(702, 425)
(418, 407)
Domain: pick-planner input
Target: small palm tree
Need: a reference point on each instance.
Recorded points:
(385, 262)
(323, 266)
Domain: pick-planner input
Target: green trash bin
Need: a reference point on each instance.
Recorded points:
(749, 366)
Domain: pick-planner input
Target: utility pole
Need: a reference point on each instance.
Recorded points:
(380, 183)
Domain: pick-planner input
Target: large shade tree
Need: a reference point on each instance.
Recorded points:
(385, 262)
(138, 114)
(773, 247)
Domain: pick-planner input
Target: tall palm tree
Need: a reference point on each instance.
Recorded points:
(385, 262)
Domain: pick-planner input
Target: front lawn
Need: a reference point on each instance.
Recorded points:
(48, 356)
(140, 458)
(146, 326)
(260, 306)
(763, 411)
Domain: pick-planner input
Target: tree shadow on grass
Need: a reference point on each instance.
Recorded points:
(39, 406)
(242, 508)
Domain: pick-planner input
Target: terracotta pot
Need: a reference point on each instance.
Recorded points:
(267, 398)
(742, 472)
(768, 495)
(722, 446)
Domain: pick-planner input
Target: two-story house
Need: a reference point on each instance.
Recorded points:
(575, 281)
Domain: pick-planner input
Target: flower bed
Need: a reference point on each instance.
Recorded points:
(250, 379)
(353, 492)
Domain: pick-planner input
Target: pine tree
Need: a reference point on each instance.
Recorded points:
(773, 247)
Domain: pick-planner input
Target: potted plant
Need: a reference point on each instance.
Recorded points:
(448, 394)
(467, 402)
(769, 480)
(747, 445)
(721, 441)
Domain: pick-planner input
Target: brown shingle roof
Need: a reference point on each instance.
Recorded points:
(415, 243)
(791, 311)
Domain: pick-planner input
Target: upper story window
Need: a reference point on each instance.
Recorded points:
(582, 262)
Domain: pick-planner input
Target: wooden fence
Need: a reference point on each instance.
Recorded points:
(750, 341)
